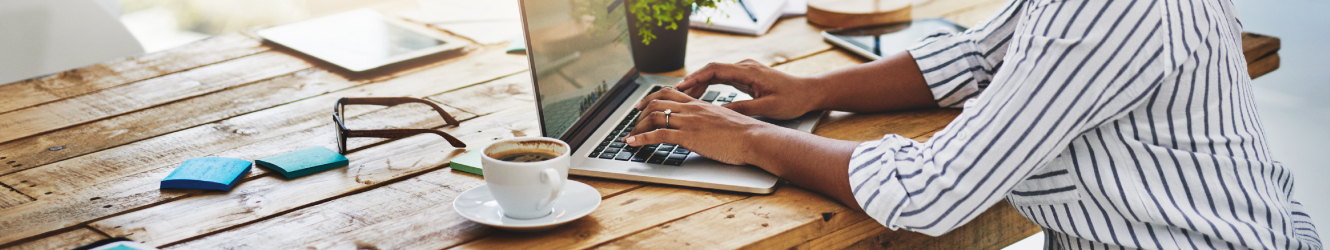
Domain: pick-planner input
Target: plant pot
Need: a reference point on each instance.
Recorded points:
(665, 53)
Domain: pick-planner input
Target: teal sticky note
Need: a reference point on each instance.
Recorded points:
(516, 46)
(216, 173)
(303, 162)
(469, 162)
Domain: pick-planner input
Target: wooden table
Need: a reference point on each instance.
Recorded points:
(82, 152)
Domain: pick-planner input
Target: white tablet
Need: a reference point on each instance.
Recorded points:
(361, 40)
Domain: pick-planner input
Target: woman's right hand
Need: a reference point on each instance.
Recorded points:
(775, 94)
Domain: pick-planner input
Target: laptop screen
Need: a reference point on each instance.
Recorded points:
(579, 50)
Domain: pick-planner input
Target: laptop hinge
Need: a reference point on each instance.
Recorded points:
(601, 111)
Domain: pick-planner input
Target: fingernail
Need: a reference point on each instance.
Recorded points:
(630, 140)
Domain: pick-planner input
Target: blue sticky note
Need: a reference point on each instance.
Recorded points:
(216, 173)
(303, 162)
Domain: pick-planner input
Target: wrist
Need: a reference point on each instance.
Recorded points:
(815, 95)
(761, 150)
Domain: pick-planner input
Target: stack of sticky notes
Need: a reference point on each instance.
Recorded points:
(214, 173)
(469, 162)
(303, 162)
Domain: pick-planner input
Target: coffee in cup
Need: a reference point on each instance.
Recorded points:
(526, 174)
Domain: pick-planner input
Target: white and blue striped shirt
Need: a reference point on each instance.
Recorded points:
(1111, 124)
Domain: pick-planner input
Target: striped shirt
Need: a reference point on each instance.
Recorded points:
(1111, 124)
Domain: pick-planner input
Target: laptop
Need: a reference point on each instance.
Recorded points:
(586, 86)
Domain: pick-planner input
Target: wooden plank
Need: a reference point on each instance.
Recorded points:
(846, 236)
(788, 217)
(411, 214)
(502, 93)
(1263, 66)
(140, 190)
(139, 95)
(788, 39)
(116, 72)
(1255, 46)
(996, 228)
(871, 126)
(67, 240)
(10, 198)
(270, 194)
(119, 179)
(617, 216)
(175, 147)
(71, 142)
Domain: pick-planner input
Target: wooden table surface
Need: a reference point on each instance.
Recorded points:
(82, 152)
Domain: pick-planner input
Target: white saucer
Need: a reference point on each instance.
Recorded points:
(575, 201)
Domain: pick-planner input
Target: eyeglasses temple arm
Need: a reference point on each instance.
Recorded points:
(403, 133)
(390, 101)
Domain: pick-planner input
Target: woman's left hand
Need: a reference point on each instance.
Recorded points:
(710, 130)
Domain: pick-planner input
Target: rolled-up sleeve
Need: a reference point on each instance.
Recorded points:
(957, 66)
(1064, 78)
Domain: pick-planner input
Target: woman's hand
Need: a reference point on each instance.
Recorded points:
(712, 131)
(775, 94)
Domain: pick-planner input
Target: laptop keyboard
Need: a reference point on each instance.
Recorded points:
(613, 147)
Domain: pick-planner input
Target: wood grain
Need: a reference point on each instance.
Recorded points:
(1263, 66)
(117, 180)
(139, 95)
(857, 13)
(172, 148)
(35, 151)
(492, 96)
(116, 72)
(788, 217)
(1255, 46)
(270, 195)
(871, 126)
(412, 214)
(788, 39)
(822, 62)
(67, 240)
(996, 228)
(617, 216)
(10, 198)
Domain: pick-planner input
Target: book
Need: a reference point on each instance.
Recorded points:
(731, 16)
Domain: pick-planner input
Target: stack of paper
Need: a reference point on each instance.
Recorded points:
(733, 16)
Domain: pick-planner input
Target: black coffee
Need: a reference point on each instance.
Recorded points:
(526, 157)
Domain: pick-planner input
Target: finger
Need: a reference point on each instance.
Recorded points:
(655, 137)
(668, 94)
(657, 120)
(751, 107)
(714, 73)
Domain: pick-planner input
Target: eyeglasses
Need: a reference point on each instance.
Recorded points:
(343, 132)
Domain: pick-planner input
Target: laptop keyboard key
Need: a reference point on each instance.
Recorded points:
(681, 151)
(673, 162)
(607, 156)
(624, 156)
(710, 96)
(678, 156)
(656, 160)
(618, 144)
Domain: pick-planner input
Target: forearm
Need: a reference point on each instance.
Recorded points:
(892, 83)
(810, 161)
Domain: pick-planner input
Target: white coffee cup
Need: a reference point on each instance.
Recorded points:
(526, 190)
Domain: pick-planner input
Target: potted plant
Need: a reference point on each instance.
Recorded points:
(659, 32)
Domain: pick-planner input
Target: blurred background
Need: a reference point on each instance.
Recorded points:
(1296, 123)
